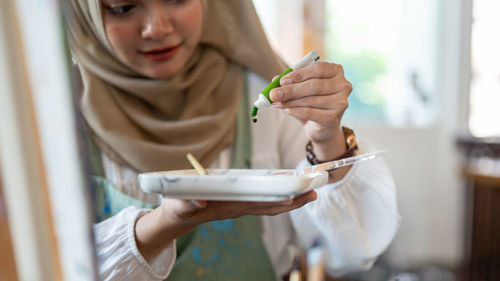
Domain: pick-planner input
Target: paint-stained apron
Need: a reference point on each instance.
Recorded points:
(230, 249)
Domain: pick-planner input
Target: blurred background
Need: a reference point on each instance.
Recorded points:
(426, 77)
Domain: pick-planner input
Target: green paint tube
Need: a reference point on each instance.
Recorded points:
(264, 100)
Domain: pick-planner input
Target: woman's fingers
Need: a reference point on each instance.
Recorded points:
(300, 90)
(316, 70)
(281, 208)
(199, 204)
(325, 117)
(316, 95)
(233, 209)
(193, 212)
(312, 87)
(320, 102)
(250, 205)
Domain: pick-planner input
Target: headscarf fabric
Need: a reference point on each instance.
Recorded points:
(150, 124)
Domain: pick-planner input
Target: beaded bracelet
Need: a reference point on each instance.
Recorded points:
(351, 146)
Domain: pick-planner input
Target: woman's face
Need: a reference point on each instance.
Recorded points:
(153, 37)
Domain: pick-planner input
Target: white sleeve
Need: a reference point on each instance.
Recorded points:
(356, 218)
(117, 254)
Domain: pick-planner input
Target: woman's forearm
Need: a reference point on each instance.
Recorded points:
(155, 231)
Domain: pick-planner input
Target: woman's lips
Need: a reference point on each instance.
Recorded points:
(159, 55)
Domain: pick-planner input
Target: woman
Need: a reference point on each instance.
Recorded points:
(166, 77)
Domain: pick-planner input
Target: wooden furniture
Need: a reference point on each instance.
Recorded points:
(7, 261)
(481, 171)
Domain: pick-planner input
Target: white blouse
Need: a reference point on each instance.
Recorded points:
(355, 218)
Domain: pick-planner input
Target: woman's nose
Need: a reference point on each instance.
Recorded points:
(157, 25)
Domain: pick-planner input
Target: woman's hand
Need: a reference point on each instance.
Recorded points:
(157, 229)
(317, 95)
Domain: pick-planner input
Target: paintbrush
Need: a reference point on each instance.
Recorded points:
(196, 165)
(327, 166)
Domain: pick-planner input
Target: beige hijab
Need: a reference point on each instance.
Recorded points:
(151, 124)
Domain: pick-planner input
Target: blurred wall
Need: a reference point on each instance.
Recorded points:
(425, 161)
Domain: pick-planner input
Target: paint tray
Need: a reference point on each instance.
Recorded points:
(232, 184)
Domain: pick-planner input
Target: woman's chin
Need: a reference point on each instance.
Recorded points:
(162, 72)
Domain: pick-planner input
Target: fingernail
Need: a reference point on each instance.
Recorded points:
(285, 81)
(287, 202)
(312, 199)
(276, 105)
(276, 94)
(198, 204)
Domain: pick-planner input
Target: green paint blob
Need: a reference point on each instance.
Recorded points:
(254, 114)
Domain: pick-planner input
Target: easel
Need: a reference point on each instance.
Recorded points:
(48, 216)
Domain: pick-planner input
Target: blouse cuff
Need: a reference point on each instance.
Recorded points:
(117, 253)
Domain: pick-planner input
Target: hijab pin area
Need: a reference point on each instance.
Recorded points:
(264, 100)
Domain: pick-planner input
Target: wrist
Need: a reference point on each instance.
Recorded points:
(331, 149)
(342, 146)
(155, 231)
